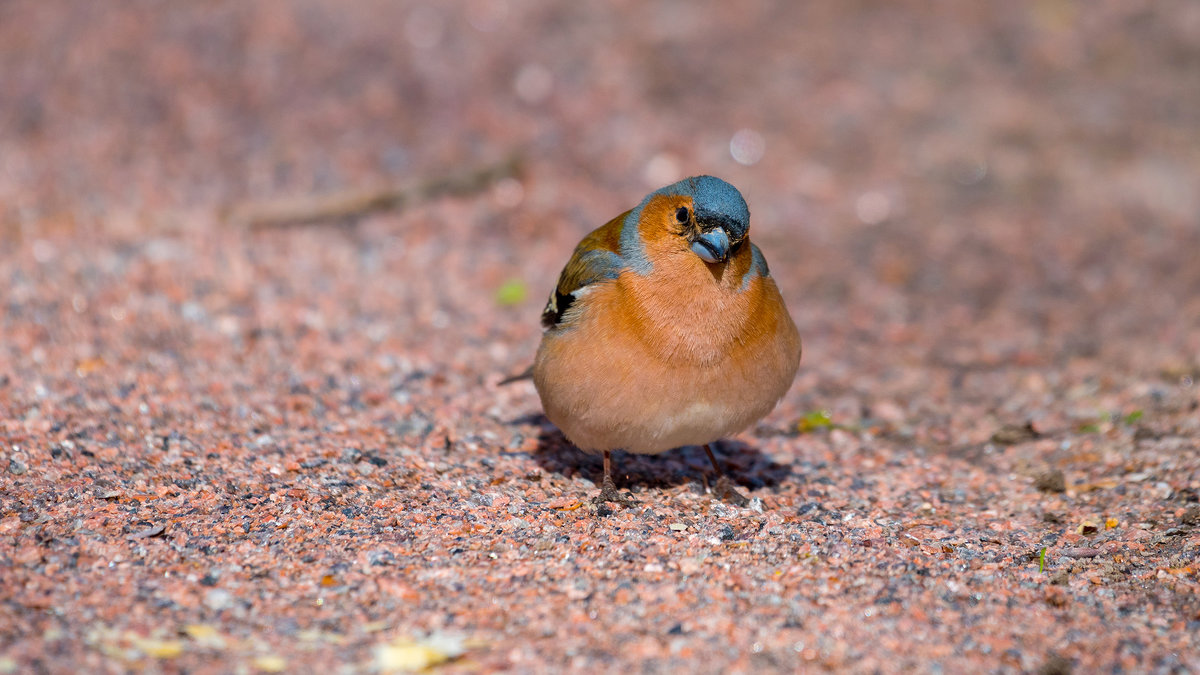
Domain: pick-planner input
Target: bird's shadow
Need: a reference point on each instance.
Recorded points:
(745, 465)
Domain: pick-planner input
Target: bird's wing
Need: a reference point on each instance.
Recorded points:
(596, 258)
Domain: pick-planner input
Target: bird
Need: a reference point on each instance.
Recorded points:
(665, 330)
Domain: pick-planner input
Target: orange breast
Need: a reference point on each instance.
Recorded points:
(653, 363)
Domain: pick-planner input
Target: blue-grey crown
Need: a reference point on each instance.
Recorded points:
(717, 203)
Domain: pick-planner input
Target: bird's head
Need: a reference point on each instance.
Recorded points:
(702, 214)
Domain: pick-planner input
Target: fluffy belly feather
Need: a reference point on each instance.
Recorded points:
(697, 424)
(653, 408)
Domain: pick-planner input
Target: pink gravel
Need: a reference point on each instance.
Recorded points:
(233, 451)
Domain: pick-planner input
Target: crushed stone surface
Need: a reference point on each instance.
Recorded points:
(285, 450)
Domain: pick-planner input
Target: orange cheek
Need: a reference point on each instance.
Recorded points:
(658, 228)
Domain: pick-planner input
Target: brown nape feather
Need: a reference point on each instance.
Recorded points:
(586, 266)
(577, 273)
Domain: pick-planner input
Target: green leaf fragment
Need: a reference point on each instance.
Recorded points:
(817, 419)
(511, 292)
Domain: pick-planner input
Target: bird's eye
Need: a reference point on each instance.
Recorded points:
(682, 214)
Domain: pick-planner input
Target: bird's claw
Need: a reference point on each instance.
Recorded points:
(724, 490)
(609, 494)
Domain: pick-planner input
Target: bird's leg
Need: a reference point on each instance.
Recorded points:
(723, 488)
(608, 489)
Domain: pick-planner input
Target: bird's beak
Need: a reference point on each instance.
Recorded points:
(712, 246)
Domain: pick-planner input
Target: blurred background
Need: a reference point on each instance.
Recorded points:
(1025, 170)
(863, 112)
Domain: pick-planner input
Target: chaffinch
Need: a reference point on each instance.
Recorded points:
(666, 330)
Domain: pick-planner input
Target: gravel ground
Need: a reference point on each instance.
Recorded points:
(284, 449)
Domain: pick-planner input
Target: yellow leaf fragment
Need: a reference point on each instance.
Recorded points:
(270, 663)
(1102, 484)
(159, 649)
(204, 635)
(320, 636)
(409, 656)
(88, 366)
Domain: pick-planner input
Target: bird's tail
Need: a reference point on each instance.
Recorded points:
(526, 374)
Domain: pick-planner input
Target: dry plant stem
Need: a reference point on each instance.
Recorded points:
(526, 374)
(311, 209)
(724, 488)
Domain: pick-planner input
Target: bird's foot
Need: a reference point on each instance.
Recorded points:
(608, 494)
(724, 490)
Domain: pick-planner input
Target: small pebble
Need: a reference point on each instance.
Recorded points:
(218, 599)
(1052, 481)
(1191, 516)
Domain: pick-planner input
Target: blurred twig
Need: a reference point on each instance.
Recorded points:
(311, 209)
